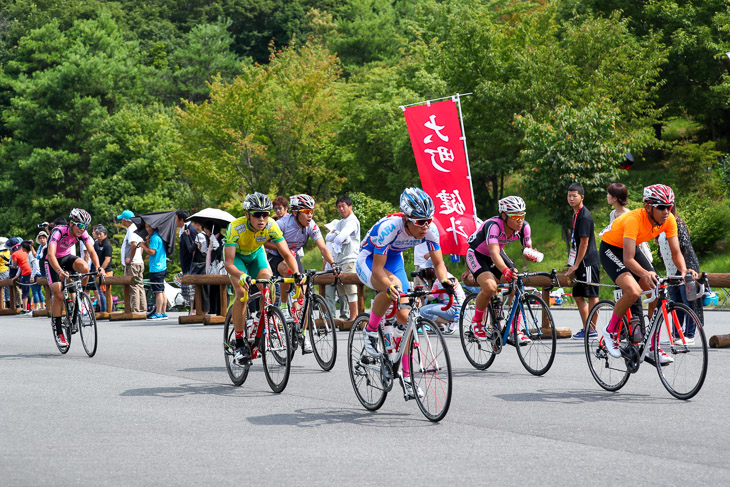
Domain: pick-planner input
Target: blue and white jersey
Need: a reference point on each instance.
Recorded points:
(389, 236)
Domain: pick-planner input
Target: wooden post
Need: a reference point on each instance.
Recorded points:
(126, 283)
(9, 286)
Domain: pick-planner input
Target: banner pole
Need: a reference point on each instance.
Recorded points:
(403, 107)
(466, 153)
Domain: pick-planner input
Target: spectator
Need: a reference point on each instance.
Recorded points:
(187, 235)
(4, 268)
(197, 266)
(42, 241)
(104, 251)
(13, 244)
(330, 290)
(617, 197)
(420, 257)
(346, 245)
(36, 293)
(281, 207)
(21, 258)
(583, 259)
(678, 293)
(133, 263)
(214, 264)
(155, 247)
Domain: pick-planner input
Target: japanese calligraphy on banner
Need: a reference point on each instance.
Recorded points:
(438, 144)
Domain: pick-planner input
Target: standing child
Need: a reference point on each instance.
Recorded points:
(21, 259)
(583, 258)
(158, 269)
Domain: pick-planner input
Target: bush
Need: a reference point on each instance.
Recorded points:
(709, 225)
(369, 210)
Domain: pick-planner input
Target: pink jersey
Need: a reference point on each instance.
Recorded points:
(63, 239)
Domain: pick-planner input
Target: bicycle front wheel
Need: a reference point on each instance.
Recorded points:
(479, 352)
(87, 324)
(430, 369)
(365, 369)
(535, 320)
(66, 330)
(237, 373)
(684, 376)
(275, 350)
(322, 332)
(610, 373)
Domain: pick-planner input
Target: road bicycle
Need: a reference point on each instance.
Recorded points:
(427, 358)
(319, 321)
(683, 377)
(79, 317)
(528, 310)
(266, 334)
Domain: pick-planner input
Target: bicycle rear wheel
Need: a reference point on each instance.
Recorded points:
(479, 353)
(430, 368)
(66, 330)
(275, 350)
(683, 378)
(535, 320)
(237, 373)
(609, 372)
(87, 324)
(364, 369)
(322, 332)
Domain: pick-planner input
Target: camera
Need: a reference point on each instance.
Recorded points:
(426, 274)
(42, 226)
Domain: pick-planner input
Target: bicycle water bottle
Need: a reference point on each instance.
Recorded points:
(534, 254)
(398, 332)
(690, 287)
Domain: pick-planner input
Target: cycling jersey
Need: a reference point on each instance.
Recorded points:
(295, 235)
(246, 240)
(492, 232)
(64, 240)
(636, 225)
(389, 235)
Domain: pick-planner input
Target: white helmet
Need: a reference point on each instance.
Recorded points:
(512, 204)
(301, 201)
(416, 203)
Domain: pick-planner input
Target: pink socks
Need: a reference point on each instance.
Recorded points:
(613, 323)
(478, 315)
(374, 322)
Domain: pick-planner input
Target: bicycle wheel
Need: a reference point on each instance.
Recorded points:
(276, 345)
(610, 373)
(430, 368)
(365, 369)
(683, 378)
(479, 353)
(535, 320)
(66, 331)
(237, 373)
(322, 332)
(87, 324)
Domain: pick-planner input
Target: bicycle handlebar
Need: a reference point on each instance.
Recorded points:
(417, 293)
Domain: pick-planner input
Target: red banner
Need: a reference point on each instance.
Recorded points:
(438, 144)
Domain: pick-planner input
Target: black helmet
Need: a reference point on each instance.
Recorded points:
(257, 202)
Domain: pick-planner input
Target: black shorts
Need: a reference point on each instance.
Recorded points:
(587, 273)
(479, 263)
(276, 259)
(612, 261)
(157, 281)
(66, 263)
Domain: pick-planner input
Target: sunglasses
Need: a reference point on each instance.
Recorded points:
(423, 222)
(81, 226)
(260, 214)
(519, 218)
(308, 211)
(277, 208)
(663, 207)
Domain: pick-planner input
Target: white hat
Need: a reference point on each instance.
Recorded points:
(2, 241)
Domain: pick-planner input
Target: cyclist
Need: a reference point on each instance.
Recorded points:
(488, 262)
(630, 269)
(60, 261)
(244, 255)
(380, 262)
(298, 227)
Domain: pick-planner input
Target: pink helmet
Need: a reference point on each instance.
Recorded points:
(658, 194)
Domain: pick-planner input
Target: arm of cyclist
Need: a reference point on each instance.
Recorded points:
(53, 262)
(441, 272)
(291, 262)
(647, 279)
(233, 271)
(94, 258)
(494, 253)
(380, 278)
(678, 258)
(326, 254)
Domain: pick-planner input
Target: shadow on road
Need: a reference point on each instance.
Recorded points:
(581, 397)
(309, 418)
(19, 356)
(194, 389)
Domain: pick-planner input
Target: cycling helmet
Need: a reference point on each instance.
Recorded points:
(658, 194)
(257, 202)
(512, 204)
(301, 201)
(79, 216)
(415, 203)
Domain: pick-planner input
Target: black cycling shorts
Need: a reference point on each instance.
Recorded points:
(612, 261)
(276, 259)
(66, 263)
(479, 263)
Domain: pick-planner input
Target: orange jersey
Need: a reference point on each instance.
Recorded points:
(636, 226)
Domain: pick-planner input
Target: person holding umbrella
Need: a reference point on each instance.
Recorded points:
(245, 256)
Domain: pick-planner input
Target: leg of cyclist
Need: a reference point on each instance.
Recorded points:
(56, 286)
(236, 268)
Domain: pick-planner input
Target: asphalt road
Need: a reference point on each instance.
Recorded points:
(155, 407)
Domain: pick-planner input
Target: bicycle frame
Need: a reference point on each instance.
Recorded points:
(266, 294)
(519, 290)
(302, 323)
